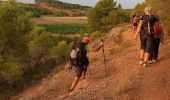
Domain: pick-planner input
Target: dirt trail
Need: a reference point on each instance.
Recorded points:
(126, 80)
(155, 84)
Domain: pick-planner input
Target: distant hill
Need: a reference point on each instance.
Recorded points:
(62, 8)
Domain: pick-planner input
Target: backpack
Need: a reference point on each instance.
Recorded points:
(148, 24)
(157, 29)
(135, 21)
(78, 54)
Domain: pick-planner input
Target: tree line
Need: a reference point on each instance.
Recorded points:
(62, 5)
(105, 15)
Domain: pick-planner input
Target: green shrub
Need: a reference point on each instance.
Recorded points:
(95, 35)
(105, 15)
(65, 28)
(61, 50)
(76, 13)
(45, 11)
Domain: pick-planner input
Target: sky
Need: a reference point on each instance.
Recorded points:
(125, 3)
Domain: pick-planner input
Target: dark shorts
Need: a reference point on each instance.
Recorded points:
(79, 70)
(146, 42)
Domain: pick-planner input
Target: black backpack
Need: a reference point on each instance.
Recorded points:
(148, 24)
(81, 54)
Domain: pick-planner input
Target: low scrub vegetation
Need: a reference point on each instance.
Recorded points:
(105, 15)
(65, 28)
(128, 81)
(27, 51)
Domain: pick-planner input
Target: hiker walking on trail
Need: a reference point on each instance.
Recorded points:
(79, 59)
(158, 37)
(134, 22)
(146, 30)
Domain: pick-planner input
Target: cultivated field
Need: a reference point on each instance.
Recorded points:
(60, 20)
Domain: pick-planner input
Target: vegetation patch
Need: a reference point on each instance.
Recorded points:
(128, 81)
(105, 15)
(65, 28)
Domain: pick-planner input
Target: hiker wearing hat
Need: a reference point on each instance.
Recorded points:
(146, 30)
(79, 59)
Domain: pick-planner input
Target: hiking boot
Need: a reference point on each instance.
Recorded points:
(144, 65)
(150, 62)
(141, 62)
(154, 60)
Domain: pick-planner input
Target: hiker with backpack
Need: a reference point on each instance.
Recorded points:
(79, 59)
(158, 37)
(146, 30)
(134, 22)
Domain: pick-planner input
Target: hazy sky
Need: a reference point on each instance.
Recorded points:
(125, 3)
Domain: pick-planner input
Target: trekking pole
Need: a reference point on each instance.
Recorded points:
(89, 70)
(88, 64)
(104, 57)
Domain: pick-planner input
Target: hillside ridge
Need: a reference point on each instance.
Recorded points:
(126, 78)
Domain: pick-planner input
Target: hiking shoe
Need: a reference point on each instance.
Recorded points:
(144, 65)
(150, 62)
(154, 60)
(141, 62)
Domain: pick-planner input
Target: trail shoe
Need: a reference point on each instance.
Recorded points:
(150, 62)
(144, 65)
(141, 62)
(155, 60)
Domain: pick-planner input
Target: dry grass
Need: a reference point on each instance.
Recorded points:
(68, 85)
(127, 81)
(117, 48)
(60, 20)
(123, 86)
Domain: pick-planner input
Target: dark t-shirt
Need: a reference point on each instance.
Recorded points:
(148, 19)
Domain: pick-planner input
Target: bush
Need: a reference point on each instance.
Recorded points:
(61, 50)
(45, 11)
(123, 16)
(12, 73)
(95, 35)
(76, 13)
(15, 26)
(105, 15)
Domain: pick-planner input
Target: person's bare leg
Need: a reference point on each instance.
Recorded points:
(75, 82)
(142, 54)
(134, 29)
(146, 57)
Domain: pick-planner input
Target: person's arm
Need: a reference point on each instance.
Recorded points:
(96, 49)
(138, 29)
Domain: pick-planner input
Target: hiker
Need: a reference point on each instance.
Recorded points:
(134, 22)
(79, 59)
(146, 30)
(158, 37)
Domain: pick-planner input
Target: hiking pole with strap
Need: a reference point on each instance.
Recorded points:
(104, 57)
